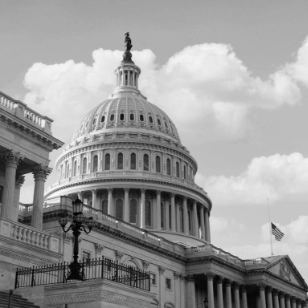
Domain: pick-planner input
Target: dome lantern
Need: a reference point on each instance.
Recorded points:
(128, 72)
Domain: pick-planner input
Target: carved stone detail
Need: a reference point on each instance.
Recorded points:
(12, 158)
(119, 255)
(176, 275)
(19, 181)
(145, 264)
(210, 276)
(40, 172)
(98, 247)
(161, 269)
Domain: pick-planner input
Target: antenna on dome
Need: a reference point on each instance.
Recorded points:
(127, 56)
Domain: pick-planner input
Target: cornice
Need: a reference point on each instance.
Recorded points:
(29, 132)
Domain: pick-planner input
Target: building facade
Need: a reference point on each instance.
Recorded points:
(127, 164)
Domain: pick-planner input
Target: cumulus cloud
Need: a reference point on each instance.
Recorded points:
(277, 177)
(222, 224)
(198, 85)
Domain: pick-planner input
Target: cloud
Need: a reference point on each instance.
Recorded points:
(277, 177)
(199, 86)
(221, 224)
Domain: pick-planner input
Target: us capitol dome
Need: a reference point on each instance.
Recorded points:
(127, 161)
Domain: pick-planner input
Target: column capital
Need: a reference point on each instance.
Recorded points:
(219, 279)
(236, 285)
(11, 158)
(210, 276)
(269, 289)
(126, 189)
(243, 288)
(19, 181)
(293, 299)
(142, 190)
(227, 282)
(176, 275)
(110, 190)
(161, 269)
(40, 172)
(275, 292)
(190, 278)
(94, 191)
(158, 192)
(287, 296)
(184, 198)
(262, 286)
(281, 294)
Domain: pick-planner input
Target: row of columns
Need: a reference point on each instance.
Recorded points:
(175, 213)
(266, 296)
(13, 183)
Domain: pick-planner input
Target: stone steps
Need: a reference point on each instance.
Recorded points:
(17, 301)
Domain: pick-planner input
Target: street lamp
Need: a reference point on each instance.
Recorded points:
(78, 224)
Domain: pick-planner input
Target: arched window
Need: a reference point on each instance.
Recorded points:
(132, 117)
(107, 161)
(75, 167)
(162, 216)
(67, 168)
(120, 161)
(103, 119)
(181, 220)
(133, 161)
(158, 122)
(122, 116)
(84, 165)
(184, 172)
(119, 209)
(168, 166)
(95, 163)
(157, 164)
(112, 117)
(105, 206)
(141, 117)
(151, 119)
(126, 79)
(146, 162)
(177, 169)
(148, 213)
(133, 211)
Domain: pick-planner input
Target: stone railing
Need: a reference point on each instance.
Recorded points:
(210, 249)
(26, 234)
(20, 110)
(131, 175)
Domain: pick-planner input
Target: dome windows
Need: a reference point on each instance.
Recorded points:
(166, 125)
(107, 161)
(132, 116)
(95, 163)
(120, 161)
(158, 121)
(112, 117)
(168, 166)
(133, 161)
(141, 117)
(157, 162)
(122, 117)
(151, 119)
(146, 162)
(103, 119)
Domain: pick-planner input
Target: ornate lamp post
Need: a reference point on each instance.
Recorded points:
(78, 224)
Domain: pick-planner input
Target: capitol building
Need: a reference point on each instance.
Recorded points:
(136, 179)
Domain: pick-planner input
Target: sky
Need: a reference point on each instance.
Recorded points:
(232, 75)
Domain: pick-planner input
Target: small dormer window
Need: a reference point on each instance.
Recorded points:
(151, 119)
(122, 116)
(141, 117)
(158, 122)
(132, 117)
(103, 119)
(112, 117)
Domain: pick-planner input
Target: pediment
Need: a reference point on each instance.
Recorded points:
(284, 268)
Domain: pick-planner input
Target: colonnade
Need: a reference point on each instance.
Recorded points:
(169, 211)
(231, 294)
(12, 184)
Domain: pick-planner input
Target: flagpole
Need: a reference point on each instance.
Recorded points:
(269, 226)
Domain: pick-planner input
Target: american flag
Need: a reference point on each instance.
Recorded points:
(277, 232)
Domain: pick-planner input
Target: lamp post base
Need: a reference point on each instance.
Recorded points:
(75, 271)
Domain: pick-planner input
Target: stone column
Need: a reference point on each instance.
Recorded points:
(236, 295)
(185, 214)
(110, 201)
(228, 294)
(167, 220)
(142, 209)
(11, 160)
(162, 286)
(281, 302)
(299, 303)
(173, 216)
(94, 205)
(269, 297)
(262, 296)
(19, 181)
(191, 293)
(293, 302)
(207, 226)
(210, 290)
(195, 220)
(126, 204)
(288, 304)
(178, 221)
(244, 297)
(202, 222)
(276, 301)
(40, 174)
(220, 298)
(158, 209)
